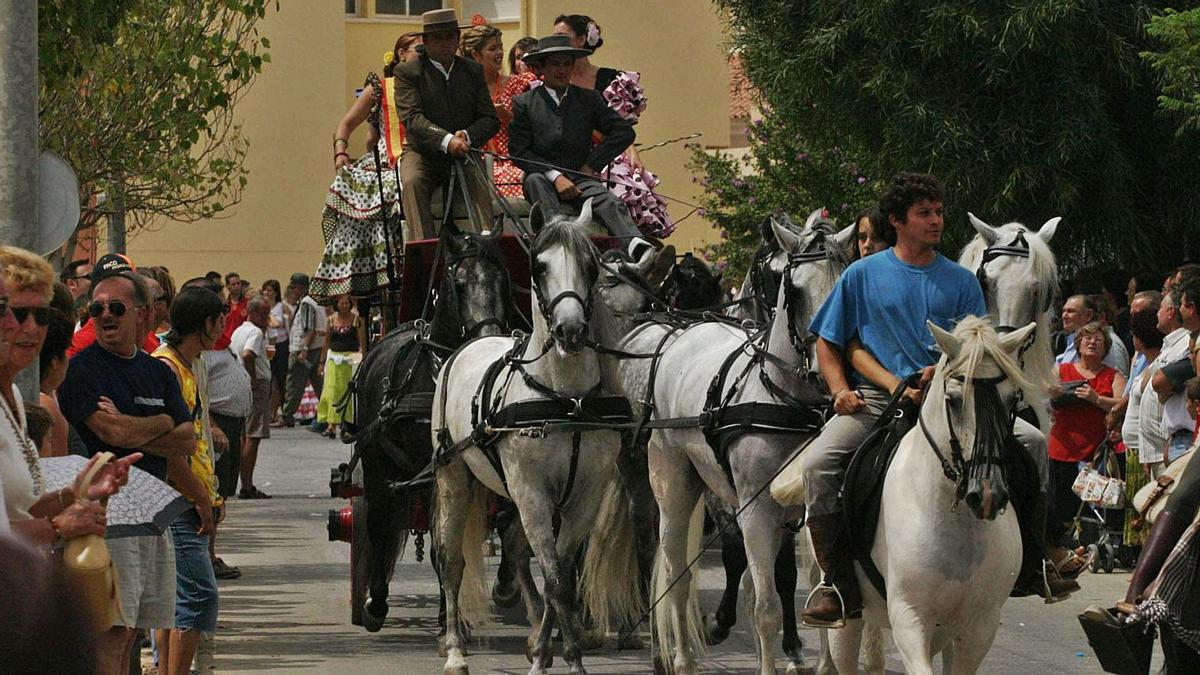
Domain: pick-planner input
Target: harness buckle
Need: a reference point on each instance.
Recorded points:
(578, 409)
(533, 432)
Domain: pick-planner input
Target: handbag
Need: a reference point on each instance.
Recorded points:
(90, 568)
(1122, 648)
(1101, 487)
(1149, 501)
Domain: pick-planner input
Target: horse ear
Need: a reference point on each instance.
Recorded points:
(788, 241)
(650, 258)
(845, 236)
(989, 233)
(765, 229)
(1046, 233)
(813, 219)
(585, 214)
(537, 217)
(1012, 340)
(946, 341)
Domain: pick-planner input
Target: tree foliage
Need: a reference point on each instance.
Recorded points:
(1027, 109)
(1178, 65)
(141, 102)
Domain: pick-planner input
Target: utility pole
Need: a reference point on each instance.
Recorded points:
(19, 222)
(19, 123)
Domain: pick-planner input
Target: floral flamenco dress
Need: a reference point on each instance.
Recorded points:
(635, 189)
(355, 258)
(505, 174)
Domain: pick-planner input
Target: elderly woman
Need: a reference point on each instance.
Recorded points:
(1087, 390)
(39, 517)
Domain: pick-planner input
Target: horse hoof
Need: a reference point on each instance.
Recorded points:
(714, 633)
(593, 638)
(458, 667)
(529, 655)
(630, 642)
(370, 620)
(507, 596)
(794, 668)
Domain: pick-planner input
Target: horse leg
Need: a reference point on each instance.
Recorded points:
(537, 514)
(873, 662)
(733, 558)
(914, 642)
(520, 554)
(454, 501)
(635, 483)
(844, 645)
(504, 591)
(785, 585)
(965, 654)
(677, 490)
(760, 528)
(383, 531)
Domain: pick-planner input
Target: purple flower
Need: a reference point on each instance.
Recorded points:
(845, 206)
(861, 180)
(802, 157)
(703, 212)
(751, 200)
(739, 183)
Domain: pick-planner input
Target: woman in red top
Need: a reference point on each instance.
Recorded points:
(1084, 396)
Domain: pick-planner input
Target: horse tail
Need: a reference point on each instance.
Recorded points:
(788, 486)
(667, 630)
(610, 567)
(473, 592)
(872, 648)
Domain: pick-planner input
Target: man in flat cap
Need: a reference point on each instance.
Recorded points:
(444, 103)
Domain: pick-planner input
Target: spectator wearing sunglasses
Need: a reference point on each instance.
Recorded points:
(124, 401)
(30, 281)
(77, 275)
(86, 335)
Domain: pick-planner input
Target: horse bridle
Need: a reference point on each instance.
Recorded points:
(956, 467)
(453, 260)
(547, 308)
(1018, 248)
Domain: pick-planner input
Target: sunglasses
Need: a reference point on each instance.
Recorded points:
(41, 315)
(115, 307)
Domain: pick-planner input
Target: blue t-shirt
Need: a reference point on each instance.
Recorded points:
(885, 302)
(141, 386)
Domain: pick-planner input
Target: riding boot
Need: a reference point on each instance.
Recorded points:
(1167, 529)
(1033, 578)
(825, 608)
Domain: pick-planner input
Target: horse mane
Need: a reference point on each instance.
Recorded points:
(562, 231)
(979, 340)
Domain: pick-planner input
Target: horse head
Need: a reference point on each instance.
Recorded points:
(816, 257)
(1015, 268)
(565, 269)
(475, 291)
(691, 284)
(967, 414)
(622, 284)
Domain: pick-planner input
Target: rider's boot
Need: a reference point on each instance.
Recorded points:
(1037, 577)
(826, 607)
(1168, 528)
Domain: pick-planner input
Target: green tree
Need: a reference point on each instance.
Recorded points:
(1026, 109)
(1178, 65)
(143, 107)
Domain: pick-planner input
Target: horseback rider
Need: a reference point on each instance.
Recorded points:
(553, 125)
(875, 321)
(444, 103)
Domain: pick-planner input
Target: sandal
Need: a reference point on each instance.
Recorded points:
(1071, 566)
(223, 571)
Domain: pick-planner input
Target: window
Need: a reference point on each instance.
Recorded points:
(352, 7)
(406, 7)
(493, 10)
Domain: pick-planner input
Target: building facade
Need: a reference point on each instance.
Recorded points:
(321, 51)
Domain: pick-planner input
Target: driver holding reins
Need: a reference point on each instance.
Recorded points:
(874, 320)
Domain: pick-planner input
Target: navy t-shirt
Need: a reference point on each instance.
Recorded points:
(141, 386)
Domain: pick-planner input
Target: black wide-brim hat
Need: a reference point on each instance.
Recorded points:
(554, 44)
(437, 20)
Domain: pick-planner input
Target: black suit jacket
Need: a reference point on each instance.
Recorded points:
(541, 131)
(431, 106)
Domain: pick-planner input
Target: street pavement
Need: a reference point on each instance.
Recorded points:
(289, 612)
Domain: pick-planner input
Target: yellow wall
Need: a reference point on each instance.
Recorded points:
(319, 56)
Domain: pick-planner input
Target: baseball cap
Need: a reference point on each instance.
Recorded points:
(111, 264)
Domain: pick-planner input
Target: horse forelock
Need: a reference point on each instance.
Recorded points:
(981, 348)
(564, 232)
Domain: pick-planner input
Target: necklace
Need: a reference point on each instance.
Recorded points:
(27, 449)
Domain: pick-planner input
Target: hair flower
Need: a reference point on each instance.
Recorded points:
(478, 20)
(593, 34)
(388, 57)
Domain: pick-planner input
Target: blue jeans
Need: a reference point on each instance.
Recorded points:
(1178, 445)
(195, 583)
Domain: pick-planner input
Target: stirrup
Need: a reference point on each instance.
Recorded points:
(1049, 598)
(839, 623)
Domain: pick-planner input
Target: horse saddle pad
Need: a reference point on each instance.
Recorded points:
(862, 489)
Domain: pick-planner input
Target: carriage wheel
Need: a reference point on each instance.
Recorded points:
(359, 547)
(1110, 558)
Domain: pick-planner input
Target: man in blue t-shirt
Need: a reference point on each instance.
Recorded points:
(874, 320)
(122, 400)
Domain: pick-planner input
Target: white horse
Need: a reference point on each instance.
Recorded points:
(947, 569)
(682, 464)
(1019, 276)
(759, 288)
(558, 477)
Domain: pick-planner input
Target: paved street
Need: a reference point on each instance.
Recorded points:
(290, 611)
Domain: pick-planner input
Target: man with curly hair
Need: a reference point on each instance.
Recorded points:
(875, 320)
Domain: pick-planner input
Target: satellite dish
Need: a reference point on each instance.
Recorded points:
(58, 202)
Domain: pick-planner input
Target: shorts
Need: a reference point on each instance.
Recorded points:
(258, 424)
(195, 582)
(146, 579)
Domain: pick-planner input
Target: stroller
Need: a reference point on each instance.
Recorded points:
(1100, 520)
